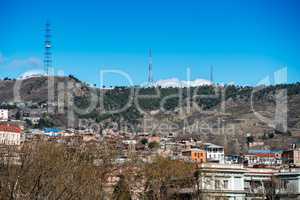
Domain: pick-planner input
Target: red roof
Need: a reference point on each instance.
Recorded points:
(10, 128)
(265, 155)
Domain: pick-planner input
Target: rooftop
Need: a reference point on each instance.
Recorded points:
(258, 151)
(210, 145)
(10, 128)
(218, 166)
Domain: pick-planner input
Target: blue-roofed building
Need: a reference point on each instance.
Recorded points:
(52, 132)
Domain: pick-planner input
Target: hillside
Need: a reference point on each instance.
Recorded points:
(33, 89)
(228, 126)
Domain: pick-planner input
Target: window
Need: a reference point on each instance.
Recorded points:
(284, 184)
(208, 182)
(217, 185)
(225, 184)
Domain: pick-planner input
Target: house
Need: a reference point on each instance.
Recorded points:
(256, 144)
(10, 134)
(186, 144)
(130, 144)
(291, 157)
(33, 120)
(214, 153)
(53, 132)
(263, 157)
(195, 155)
(3, 114)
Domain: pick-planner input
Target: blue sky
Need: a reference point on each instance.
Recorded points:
(245, 40)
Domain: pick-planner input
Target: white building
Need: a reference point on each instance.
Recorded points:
(215, 153)
(3, 114)
(220, 181)
(259, 183)
(235, 182)
(10, 134)
(288, 184)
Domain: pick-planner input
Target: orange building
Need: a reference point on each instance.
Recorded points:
(196, 155)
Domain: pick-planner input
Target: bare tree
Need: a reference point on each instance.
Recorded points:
(54, 171)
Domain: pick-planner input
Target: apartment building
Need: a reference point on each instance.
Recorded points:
(220, 181)
(235, 182)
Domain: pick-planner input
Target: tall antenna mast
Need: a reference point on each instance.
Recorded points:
(211, 74)
(150, 73)
(48, 45)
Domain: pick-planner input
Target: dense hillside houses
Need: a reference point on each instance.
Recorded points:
(254, 171)
(258, 174)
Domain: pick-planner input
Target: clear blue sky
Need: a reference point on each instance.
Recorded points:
(245, 40)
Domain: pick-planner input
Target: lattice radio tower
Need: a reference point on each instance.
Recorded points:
(48, 45)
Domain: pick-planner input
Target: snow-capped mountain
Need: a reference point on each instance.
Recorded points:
(175, 82)
(31, 74)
